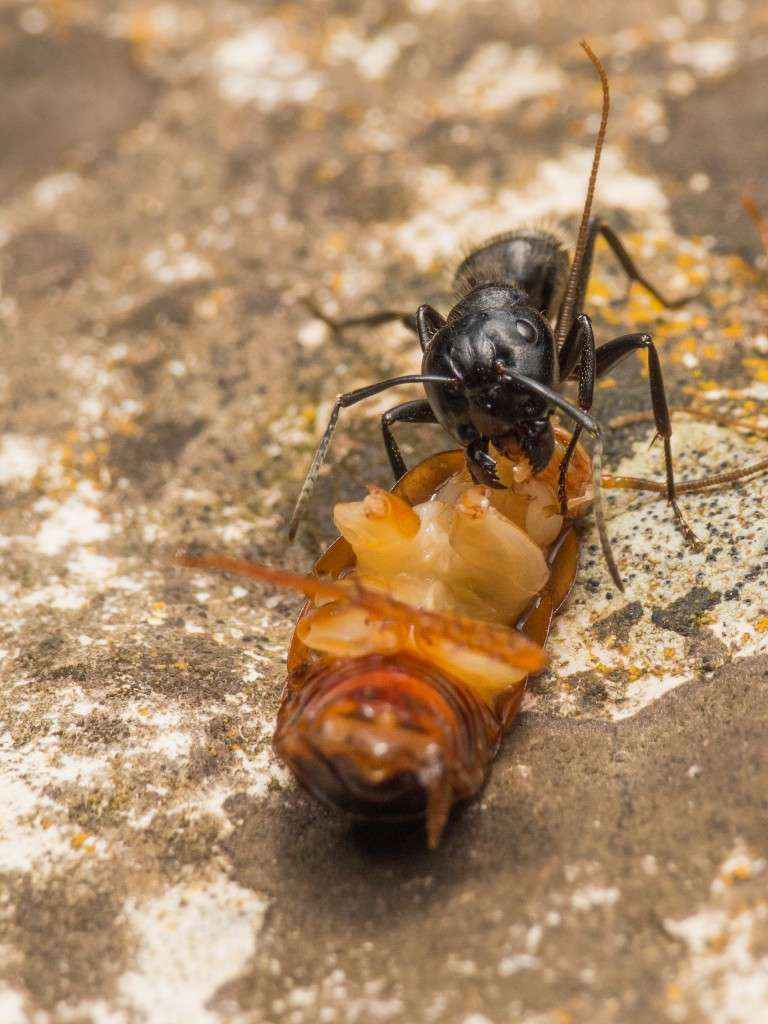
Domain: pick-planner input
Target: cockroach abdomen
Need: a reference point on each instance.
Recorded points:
(390, 738)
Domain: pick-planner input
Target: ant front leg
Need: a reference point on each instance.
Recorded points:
(419, 411)
(578, 349)
(342, 402)
(609, 355)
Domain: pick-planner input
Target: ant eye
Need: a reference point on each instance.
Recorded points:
(526, 330)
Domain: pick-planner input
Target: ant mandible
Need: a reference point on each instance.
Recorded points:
(491, 369)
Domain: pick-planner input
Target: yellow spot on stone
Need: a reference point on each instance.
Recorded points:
(759, 367)
(762, 625)
(181, 664)
(597, 290)
(686, 261)
(77, 840)
(718, 942)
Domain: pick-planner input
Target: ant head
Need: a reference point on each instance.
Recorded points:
(474, 345)
(477, 348)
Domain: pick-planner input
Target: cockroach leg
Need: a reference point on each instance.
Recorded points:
(633, 483)
(705, 483)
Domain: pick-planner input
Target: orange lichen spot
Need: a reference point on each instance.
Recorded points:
(598, 292)
(709, 385)
(762, 625)
(686, 261)
(674, 992)
(734, 330)
(77, 841)
(182, 665)
(670, 652)
(759, 368)
(717, 943)
(335, 242)
(607, 383)
(741, 872)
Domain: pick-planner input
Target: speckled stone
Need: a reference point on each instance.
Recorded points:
(177, 178)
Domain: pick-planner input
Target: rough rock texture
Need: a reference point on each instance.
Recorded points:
(176, 177)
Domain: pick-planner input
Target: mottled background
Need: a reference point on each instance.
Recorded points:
(175, 178)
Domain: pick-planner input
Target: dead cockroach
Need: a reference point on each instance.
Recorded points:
(493, 368)
(423, 621)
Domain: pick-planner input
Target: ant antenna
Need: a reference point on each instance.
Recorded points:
(566, 310)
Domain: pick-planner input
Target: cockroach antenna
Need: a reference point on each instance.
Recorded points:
(565, 316)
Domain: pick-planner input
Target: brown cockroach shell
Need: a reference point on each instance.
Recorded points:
(386, 737)
(392, 736)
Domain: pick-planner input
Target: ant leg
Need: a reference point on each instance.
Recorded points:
(419, 411)
(592, 427)
(350, 398)
(579, 347)
(597, 226)
(613, 352)
(384, 316)
(426, 322)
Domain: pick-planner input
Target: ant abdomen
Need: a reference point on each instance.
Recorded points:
(533, 261)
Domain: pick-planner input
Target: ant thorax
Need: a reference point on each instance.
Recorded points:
(469, 551)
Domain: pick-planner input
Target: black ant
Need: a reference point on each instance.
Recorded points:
(491, 370)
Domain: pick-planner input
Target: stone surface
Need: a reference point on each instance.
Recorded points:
(176, 178)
